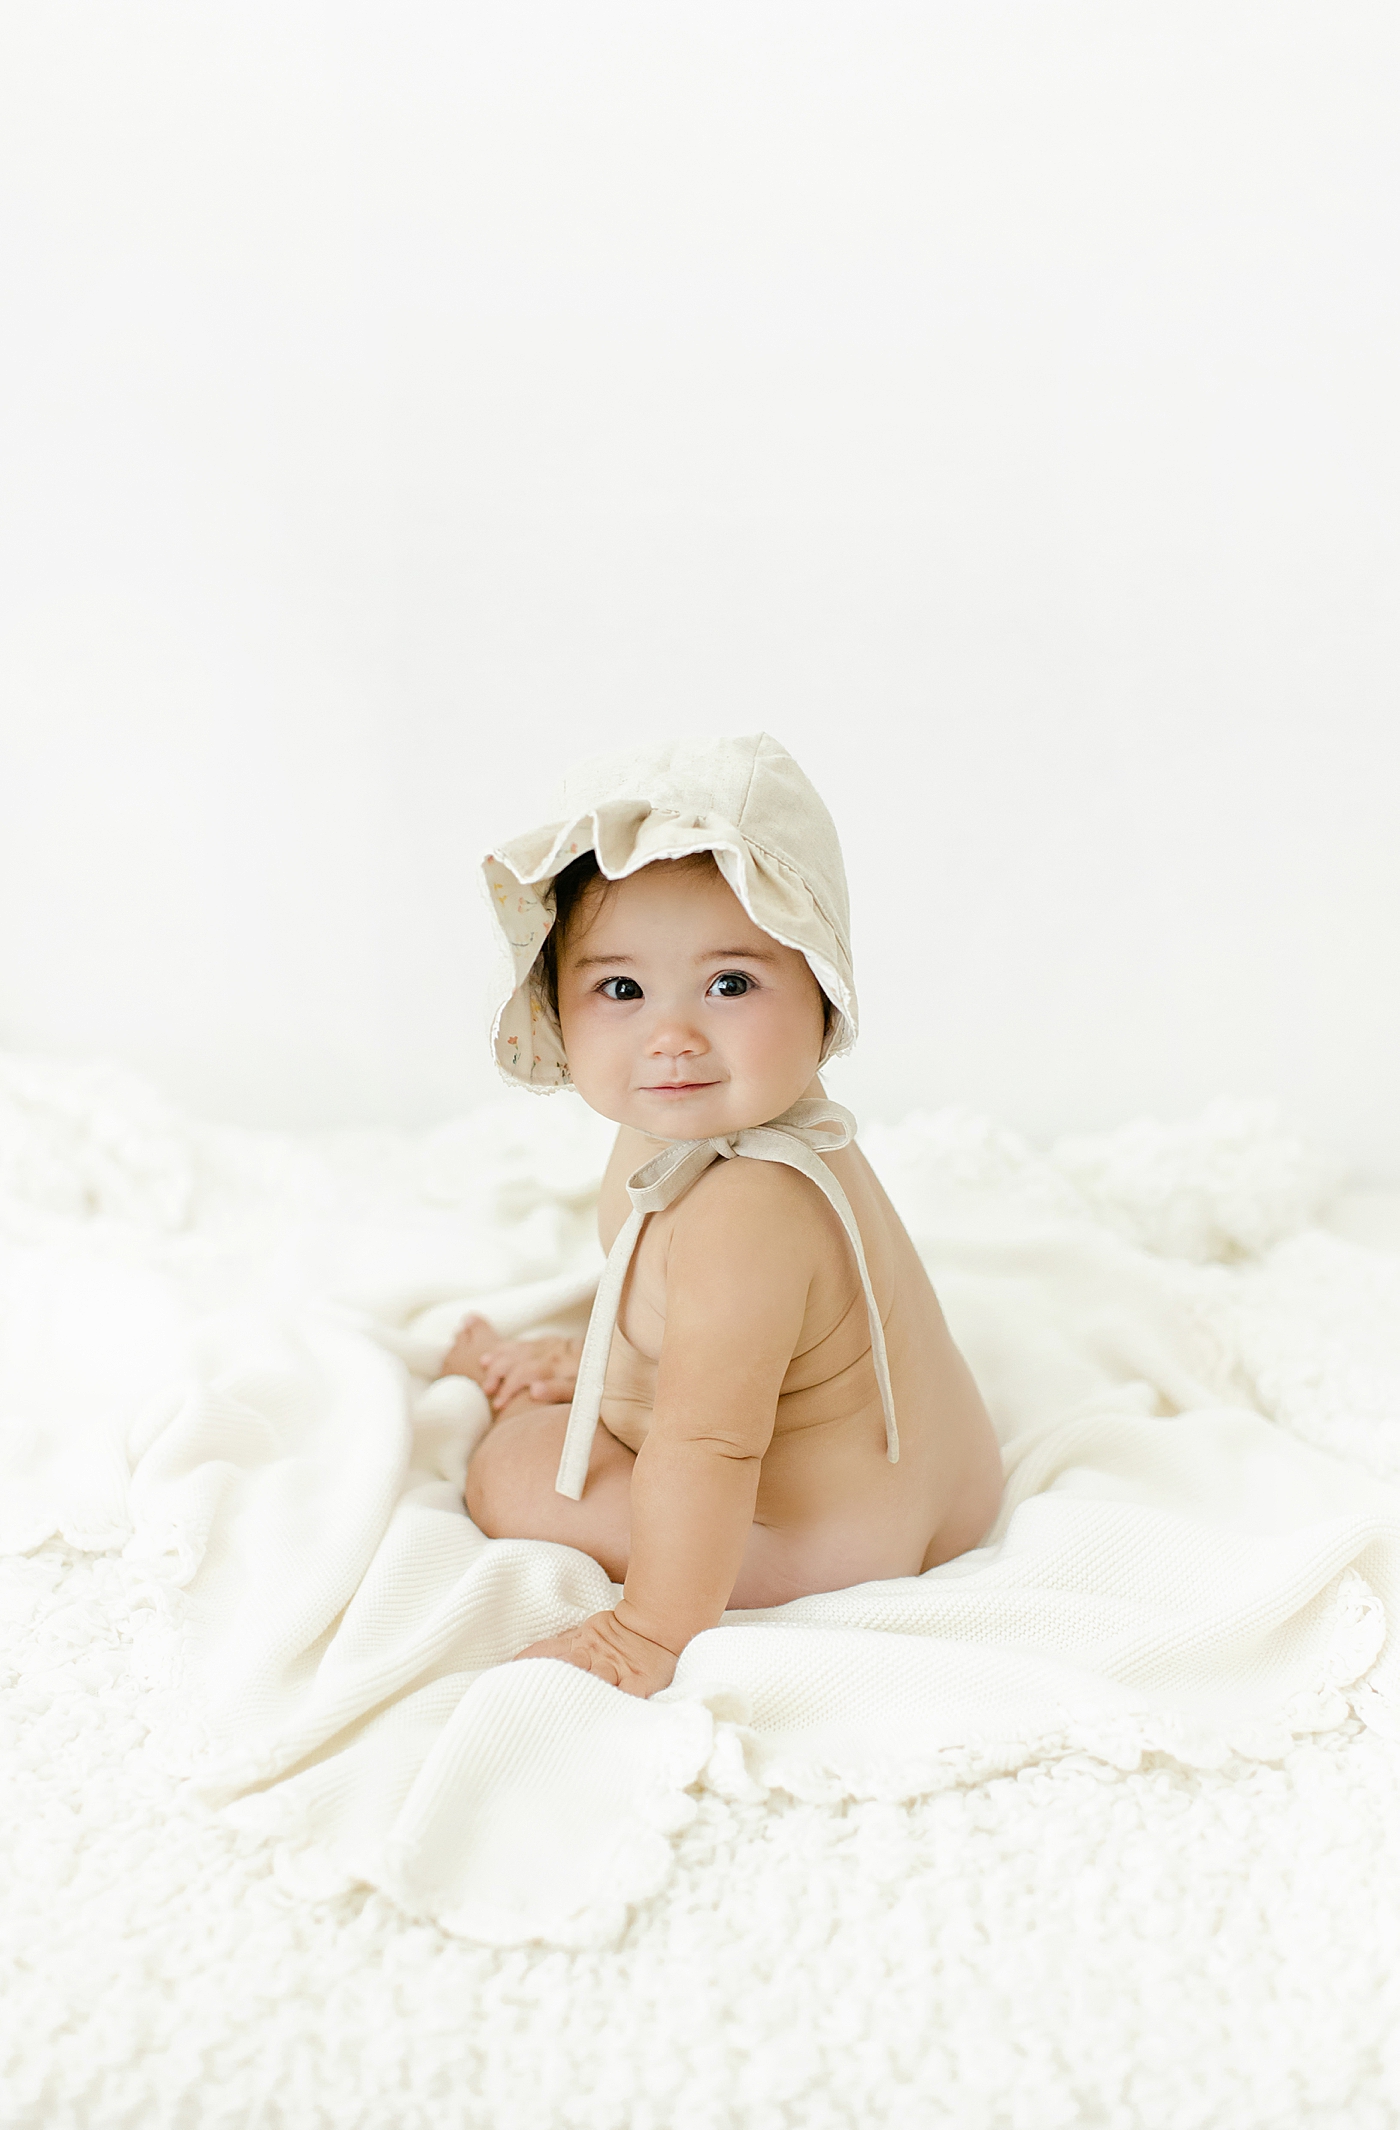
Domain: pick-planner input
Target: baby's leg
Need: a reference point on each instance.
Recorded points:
(783, 1562)
(510, 1487)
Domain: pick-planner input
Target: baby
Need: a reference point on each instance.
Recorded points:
(783, 1409)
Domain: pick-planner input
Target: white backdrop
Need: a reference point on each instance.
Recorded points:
(996, 402)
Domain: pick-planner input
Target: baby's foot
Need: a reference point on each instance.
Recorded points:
(472, 1348)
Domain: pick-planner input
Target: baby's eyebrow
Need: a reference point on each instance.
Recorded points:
(628, 961)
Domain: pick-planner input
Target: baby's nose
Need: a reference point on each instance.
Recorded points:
(675, 1036)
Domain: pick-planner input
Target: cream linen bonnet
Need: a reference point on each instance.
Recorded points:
(744, 799)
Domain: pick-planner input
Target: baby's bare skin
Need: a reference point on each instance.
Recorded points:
(741, 1461)
(829, 1509)
(539, 1371)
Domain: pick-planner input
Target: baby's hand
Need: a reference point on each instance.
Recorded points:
(543, 1369)
(610, 1651)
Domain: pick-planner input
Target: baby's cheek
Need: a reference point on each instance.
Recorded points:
(602, 1078)
(783, 1040)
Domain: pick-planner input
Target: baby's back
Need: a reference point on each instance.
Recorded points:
(826, 1483)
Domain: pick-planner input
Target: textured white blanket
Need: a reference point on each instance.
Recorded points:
(1172, 1574)
(1140, 1946)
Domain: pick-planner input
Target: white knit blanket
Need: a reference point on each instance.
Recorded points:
(1173, 1573)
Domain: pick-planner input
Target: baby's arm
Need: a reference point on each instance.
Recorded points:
(737, 1278)
(738, 1271)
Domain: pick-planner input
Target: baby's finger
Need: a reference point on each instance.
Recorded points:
(550, 1390)
(515, 1381)
(558, 1646)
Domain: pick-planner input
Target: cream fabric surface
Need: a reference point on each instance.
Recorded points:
(1171, 1573)
(744, 799)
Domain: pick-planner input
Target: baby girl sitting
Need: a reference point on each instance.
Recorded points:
(773, 1316)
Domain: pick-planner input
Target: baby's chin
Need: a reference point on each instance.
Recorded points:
(705, 1114)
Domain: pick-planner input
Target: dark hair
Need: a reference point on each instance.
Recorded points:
(570, 887)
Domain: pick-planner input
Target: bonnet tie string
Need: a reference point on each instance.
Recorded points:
(798, 1138)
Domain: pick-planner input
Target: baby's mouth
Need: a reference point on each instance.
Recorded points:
(678, 1087)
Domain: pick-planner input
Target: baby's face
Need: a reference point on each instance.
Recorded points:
(679, 1016)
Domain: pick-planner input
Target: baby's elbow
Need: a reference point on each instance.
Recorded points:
(719, 1445)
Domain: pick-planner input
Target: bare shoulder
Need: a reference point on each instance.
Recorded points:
(741, 1255)
(751, 1210)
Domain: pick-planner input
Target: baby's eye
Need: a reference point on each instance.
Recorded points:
(733, 984)
(622, 988)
